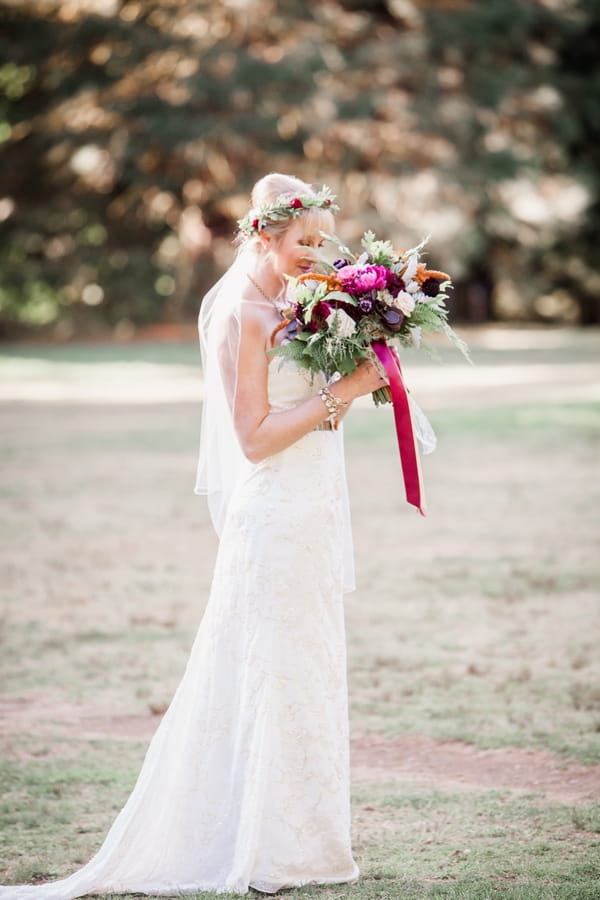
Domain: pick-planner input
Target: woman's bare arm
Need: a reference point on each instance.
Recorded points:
(262, 433)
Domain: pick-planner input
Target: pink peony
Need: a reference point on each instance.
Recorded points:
(346, 271)
(361, 279)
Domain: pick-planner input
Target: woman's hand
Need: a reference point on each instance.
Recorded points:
(365, 379)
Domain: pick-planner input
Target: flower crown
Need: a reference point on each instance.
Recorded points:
(286, 207)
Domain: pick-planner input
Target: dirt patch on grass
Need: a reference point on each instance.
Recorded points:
(443, 764)
(454, 764)
(52, 719)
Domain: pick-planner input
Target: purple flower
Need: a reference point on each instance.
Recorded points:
(292, 328)
(340, 263)
(365, 305)
(392, 319)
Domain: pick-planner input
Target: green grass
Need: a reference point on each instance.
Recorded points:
(50, 808)
(410, 842)
(418, 835)
(540, 424)
(36, 358)
(418, 842)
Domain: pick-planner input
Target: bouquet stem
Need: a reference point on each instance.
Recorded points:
(382, 395)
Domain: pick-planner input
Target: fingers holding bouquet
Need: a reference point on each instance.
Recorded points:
(368, 376)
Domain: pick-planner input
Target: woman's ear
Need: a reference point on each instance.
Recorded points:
(265, 239)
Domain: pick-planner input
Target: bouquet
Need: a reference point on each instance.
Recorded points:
(383, 296)
(367, 307)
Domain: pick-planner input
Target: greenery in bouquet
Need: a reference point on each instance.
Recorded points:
(383, 295)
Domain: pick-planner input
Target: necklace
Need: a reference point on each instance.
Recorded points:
(267, 298)
(286, 313)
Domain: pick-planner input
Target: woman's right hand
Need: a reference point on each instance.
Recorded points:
(365, 379)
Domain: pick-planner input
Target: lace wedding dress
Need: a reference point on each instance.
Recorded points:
(246, 782)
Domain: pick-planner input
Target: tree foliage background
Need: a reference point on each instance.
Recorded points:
(133, 130)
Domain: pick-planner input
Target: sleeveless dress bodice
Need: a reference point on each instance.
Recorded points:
(288, 384)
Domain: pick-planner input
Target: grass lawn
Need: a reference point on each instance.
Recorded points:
(474, 672)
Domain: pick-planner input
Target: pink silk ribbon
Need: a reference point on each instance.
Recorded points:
(407, 447)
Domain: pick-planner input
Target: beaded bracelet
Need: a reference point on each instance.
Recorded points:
(333, 403)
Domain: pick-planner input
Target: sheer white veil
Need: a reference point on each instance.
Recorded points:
(221, 462)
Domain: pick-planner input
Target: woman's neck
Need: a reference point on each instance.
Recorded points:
(271, 283)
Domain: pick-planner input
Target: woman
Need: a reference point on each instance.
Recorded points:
(246, 782)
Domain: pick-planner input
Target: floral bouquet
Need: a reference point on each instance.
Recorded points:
(383, 296)
(360, 309)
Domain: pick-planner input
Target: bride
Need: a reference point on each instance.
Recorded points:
(246, 781)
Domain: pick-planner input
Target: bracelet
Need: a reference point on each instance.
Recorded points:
(333, 403)
(338, 400)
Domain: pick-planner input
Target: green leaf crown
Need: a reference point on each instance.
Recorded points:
(286, 207)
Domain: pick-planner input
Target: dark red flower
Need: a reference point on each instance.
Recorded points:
(296, 203)
(394, 283)
(255, 224)
(321, 309)
(353, 311)
(319, 314)
(431, 287)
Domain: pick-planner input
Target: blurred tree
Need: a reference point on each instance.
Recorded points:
(527, 144)
(132, 132)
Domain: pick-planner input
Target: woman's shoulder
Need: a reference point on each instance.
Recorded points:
(254, 315)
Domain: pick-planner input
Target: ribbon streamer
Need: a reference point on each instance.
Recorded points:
(409, 457)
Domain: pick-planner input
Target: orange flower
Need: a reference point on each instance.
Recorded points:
(423, 273)
(333, 283)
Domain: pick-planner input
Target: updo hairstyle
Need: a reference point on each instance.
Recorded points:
(275, 186)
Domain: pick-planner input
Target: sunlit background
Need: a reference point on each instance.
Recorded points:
(132, 133)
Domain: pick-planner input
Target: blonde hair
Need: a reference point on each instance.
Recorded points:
(271, 187)
(275, 187)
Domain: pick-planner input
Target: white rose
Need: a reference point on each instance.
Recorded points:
(385, 297)
(341, 323)
(405, 303)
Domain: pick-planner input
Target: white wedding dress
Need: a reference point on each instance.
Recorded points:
(246, 781)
